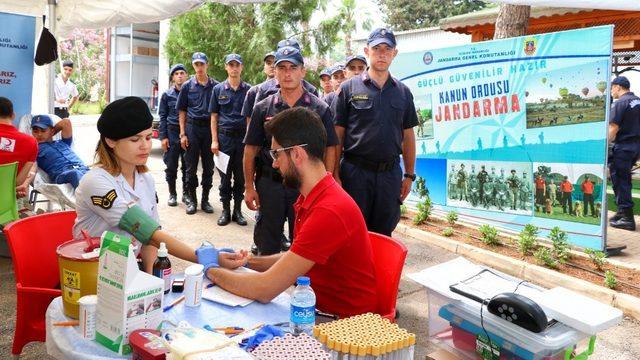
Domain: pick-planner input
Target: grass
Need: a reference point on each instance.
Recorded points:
(86, 108)
(558, 215)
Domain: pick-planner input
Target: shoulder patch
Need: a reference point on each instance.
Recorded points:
(359, 97)
(106, 201)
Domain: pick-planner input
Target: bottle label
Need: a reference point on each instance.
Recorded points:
(303, 315)
(166, 276)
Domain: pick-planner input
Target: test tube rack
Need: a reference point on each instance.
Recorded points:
(365, 337)
(301, 347)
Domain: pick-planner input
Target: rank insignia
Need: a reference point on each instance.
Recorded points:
(106, 201)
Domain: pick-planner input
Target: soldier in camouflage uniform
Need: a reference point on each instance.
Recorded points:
(525, 192)
(514, 189)
(461, 178)
(501, 190)
(482, 178)
(452, 182)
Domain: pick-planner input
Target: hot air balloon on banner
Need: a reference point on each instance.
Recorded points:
(544, 80)
(563, 92)
(585, 91)
(601, 86)
(526, 93)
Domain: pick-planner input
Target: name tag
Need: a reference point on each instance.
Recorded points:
(359, 97)
(223, 97)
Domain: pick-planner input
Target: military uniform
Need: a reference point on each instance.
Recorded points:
(169, 128)
(374, 120)
(514, 188)
(276, 200)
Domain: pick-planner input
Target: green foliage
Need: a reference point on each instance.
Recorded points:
(560, 244)
(424, 211)
(544, 257)
(420, 188)
(489, 235)
(447, 232)
(610, 279)
(598, 258)
(527, 239)
(452, 217)
(403, 210)
(416, 14)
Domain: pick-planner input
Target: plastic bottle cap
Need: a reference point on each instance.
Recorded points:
(162, 251)
(304, 281)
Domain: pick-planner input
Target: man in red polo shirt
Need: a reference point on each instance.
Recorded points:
(332, 244)
(540, 192)
(16, 147)
(567, 189)
(587, 198)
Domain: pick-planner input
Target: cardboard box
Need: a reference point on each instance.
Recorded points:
(154, 52)
(442, 355)
(128, 299)
(140, 50)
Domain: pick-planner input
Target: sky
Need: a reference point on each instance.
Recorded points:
(367, 6)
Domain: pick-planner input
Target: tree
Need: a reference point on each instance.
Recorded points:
(512, 21)
(86, 48)
(415, 14)
(347, 20)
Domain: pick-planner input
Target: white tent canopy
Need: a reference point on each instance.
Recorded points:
(629, 5)
(93, 14)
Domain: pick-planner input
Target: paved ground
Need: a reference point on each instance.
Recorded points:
(618, 343)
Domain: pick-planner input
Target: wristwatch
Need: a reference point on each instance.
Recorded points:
(410, 176)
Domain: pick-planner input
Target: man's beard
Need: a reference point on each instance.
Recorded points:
(291, 178)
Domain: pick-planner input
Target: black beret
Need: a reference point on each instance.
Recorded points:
(124, 117)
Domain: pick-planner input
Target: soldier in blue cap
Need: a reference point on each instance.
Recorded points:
(195, 131)
(325, 81)
(624, 137)
(169, 134)
(264, 190)
(355, 65)
(337, 77)
(250, 99)
(374, 117)
(271, 87)
(228, 128)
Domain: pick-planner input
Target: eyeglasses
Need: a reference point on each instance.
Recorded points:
(274, 152)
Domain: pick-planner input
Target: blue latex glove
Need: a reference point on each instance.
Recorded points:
(209, 256)
(266, 333)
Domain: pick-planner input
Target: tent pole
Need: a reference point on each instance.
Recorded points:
(51, 5)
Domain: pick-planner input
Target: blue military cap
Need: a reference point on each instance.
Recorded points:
(355, 57)
(177, 67)
(336, 68)
(199, 57)
(289, 42)
(290, 54)
(325, 72)
(622, 81)
(381, 35)
(269, 54)
(233, 57)
(42, 121)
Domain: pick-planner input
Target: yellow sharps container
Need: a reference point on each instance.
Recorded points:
(78, 272)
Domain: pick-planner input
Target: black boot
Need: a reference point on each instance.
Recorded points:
(204, 204)
(626, 222)
(184, 196)
(192, 202)
(237, 213)
(617, 216)
(173, 201)
(225, 217)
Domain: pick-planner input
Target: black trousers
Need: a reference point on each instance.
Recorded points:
(276, 207)
(199, 135)
(232, 146)
(61, 112)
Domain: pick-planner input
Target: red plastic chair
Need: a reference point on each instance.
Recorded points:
(388, 255)
(33, 242)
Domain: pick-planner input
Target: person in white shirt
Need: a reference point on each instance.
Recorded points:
(66, 92)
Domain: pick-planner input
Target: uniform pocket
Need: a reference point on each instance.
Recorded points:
(362, 104)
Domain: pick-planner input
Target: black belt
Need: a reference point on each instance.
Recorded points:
(232, 132)
(270, 172)
(375, 166)
(64, 108)
(199, 122)
(173, 126)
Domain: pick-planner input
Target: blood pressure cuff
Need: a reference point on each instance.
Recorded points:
(137, 223)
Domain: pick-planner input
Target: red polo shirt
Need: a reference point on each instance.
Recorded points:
(331, 232)
(540, 183)
(566, 186)
(16, 146)
(587, 187)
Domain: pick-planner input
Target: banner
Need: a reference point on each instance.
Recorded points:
(17, 36)
(513, 132)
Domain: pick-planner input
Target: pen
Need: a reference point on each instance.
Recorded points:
(210, 285)
(67, 323)
(178, 301)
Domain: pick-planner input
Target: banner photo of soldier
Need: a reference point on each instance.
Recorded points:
(494, 103)
(490, 185)
(567, 96)
(568, 192)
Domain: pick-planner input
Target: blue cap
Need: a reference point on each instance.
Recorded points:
(199, 57)
(622, 81)
(381, 35)
(290, 54)
(233, 57)
(325, 72)
(269, 54)
(177, 67)
(42, 121)
(355, 57)
(289, 42)
(303, 280)
(336, 68)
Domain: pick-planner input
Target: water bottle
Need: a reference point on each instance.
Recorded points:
(303, 308)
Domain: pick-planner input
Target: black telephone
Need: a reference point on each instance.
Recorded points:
(519, 310)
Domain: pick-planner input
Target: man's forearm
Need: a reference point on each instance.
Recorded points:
(340, 134)
(409, 151)
(248, 285)
(249, 165)
(214, 127)
(263, 263)
(73, 101)
(182, 120)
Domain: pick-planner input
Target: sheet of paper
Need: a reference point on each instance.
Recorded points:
(222, 161)
(219, 295)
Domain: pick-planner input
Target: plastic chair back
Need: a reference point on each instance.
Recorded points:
(8, 204)
(389, 256)
(33, 242)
